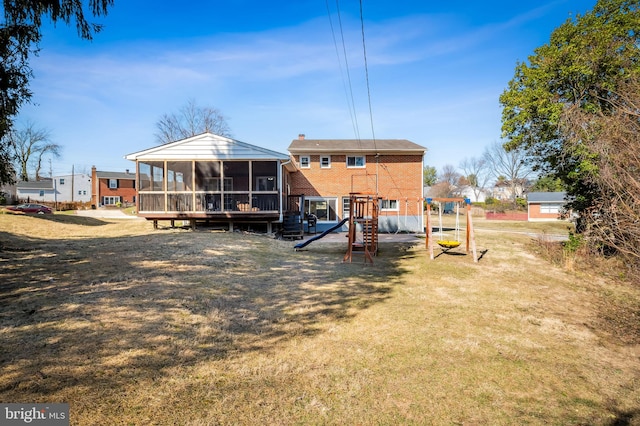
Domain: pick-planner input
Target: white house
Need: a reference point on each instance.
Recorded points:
(60, 189)
(467, 191)
(73, 188)
(38, 191)
(504, 191)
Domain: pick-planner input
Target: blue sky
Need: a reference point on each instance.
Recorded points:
(436, 71)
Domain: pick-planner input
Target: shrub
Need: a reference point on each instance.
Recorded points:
(574, 242)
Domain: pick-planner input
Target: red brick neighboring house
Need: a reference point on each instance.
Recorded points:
(327, 170)
(112, 188)
(545, 205)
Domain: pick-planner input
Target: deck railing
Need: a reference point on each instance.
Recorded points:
(185, 202)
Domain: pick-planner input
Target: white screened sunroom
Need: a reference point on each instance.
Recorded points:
(209, 177)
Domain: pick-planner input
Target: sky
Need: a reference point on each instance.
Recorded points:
(276, 69)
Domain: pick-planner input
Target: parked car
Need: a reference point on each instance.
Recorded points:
(31, 208)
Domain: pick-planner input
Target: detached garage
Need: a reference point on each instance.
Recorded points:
(545, 205)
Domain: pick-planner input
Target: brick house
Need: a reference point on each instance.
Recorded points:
(327, 170)
(112, 188)
(545, 205)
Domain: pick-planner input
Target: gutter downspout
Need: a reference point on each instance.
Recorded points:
(421, 209)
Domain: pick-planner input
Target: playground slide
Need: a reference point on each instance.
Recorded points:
(317, 237)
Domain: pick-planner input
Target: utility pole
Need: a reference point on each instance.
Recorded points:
(73, 179)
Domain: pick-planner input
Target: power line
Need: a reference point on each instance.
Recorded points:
(366, 72)
(348, 94)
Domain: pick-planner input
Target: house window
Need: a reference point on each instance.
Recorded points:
(346, 207)
(113, 183)
(79, 192)
(61, 181)
(110, 200)
(42, 192)
(356, 161)
(550, 208)
(325, 162)
(323, 208)
(389, 205)
(305, 162)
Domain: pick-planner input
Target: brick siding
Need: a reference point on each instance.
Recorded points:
(535, 214)
(399, 178)
(126, 190)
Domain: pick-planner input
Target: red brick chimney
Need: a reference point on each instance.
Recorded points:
(301, 136)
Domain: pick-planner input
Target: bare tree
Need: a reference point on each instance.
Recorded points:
(610, 141)
(512, 165)
(30, 146)
(448, 184)
(189, 121)
(476, 173)
(46, 149)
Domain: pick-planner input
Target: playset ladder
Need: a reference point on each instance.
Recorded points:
(363, 220)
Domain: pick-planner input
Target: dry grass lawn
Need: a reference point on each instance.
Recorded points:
(142, 327)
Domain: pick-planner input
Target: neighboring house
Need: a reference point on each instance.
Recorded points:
(326, 171)
(464, 191)
(504, 191)
(8, 194)
(59, 189)
(545, 205)
(72, 188)
(467, 191)
(212, 178)
(112, 188)
(41, 191)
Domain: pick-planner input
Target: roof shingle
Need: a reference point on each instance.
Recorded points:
(355, 145)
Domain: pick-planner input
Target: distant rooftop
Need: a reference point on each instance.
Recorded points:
(115, 175)
(40, 184)
(546, 197)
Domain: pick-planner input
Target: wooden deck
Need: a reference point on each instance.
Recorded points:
(228, 218)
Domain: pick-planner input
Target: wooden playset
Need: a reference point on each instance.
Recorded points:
(363, 226)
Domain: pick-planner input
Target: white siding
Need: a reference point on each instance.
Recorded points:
(81, 188)
(207, 147)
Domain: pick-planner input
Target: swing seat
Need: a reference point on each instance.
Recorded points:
(448, 244)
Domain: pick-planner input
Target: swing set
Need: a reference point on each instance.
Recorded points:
(450, 243)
